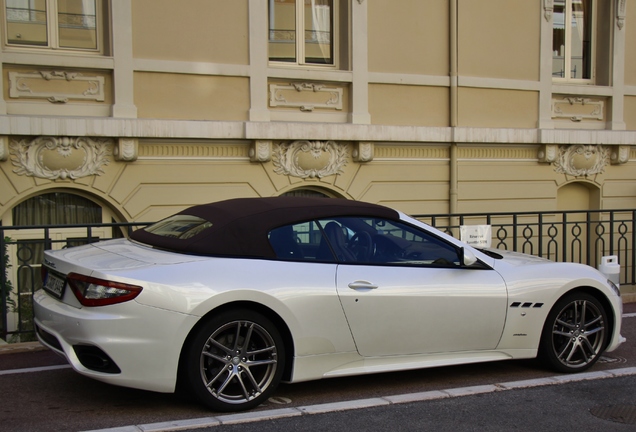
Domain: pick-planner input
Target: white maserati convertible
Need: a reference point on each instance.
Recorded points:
(227, 299)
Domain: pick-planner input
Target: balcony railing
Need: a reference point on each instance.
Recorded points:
(573, 236)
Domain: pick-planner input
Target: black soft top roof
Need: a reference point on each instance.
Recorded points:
(240, 226)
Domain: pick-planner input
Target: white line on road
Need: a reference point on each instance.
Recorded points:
(35, 369)
(249, 417)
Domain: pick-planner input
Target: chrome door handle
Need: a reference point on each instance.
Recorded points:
(362, 285)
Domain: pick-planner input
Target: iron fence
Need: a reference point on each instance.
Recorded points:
(22, 250)
(574, 236)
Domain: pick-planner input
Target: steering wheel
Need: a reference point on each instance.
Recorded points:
(361, 245)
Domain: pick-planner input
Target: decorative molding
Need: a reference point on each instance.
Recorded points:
(548, 153)
(187, 150)
(127, 149)
(4, 149)
(548, 9)
(621, 12)
(409, 152)
(310, 159)
(520, 152)
(56, 86)
(305, 96)
(582, 160)
(578, 109)
(619, 155)
(60, 157)
(363, 152)
(261, 151)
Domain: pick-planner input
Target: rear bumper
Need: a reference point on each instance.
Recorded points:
(127, 344)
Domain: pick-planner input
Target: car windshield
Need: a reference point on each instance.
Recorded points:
(179, 226)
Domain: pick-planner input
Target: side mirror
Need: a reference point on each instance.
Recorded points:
(468, 257)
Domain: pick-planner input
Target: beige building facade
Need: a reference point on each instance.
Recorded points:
(140, 108)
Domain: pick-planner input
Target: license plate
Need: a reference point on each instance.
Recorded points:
(55, 285)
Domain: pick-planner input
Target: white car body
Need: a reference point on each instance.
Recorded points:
(405, 318)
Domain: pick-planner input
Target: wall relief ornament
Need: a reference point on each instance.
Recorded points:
(619, 155)
(548, 153)
(363, 152)
(577, 109)
(310, 159)
(582, 160)
(4, 149)
(60, 157)
(305, 96)
(56, 86)
(127, 149)
(548, 9)
(261, 151)
(621, 12)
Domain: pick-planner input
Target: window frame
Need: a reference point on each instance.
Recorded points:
(300, 41)
(567, 55)
(53, 34)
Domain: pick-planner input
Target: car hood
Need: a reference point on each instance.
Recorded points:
(515, 258)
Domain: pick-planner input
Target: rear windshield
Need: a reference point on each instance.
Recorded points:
(179, 226)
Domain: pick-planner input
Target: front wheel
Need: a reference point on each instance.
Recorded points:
(575, 333)
(235, 361)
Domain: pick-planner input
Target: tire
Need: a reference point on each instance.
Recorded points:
(575, 333)
(235, 361)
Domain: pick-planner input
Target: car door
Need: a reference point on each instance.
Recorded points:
(417, 298)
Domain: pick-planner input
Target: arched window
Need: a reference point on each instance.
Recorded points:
(57, 209)
(309, 193)
(65, 215)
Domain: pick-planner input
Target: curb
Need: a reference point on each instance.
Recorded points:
(7, 348)
(256, 416)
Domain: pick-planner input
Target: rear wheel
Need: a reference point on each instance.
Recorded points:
(575, 333)
(235, 361)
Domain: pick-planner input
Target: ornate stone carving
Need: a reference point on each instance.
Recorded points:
(310, 159)
(548, 153)
(363, 152)
(577, 108)
(621, 6)
(67, 85)
(126, 149)
(548, 8)
(60, 158)
(582, 160)
(619, 155)
(305, 96)
(4, 150)
(261, 151)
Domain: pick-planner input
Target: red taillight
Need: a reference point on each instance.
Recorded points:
(91, 291)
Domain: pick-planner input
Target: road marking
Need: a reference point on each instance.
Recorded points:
(35, 369)
(249, 417)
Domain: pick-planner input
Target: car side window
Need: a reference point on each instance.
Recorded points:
(399, 243)
(379, 241)
(300, 242)
(361, 240)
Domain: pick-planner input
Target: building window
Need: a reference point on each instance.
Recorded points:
(54, 24)
(572, 40)
(303, 32)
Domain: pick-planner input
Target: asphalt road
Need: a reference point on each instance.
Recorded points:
(40, 393)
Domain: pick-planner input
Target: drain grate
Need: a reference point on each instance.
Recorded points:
(625, 414)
